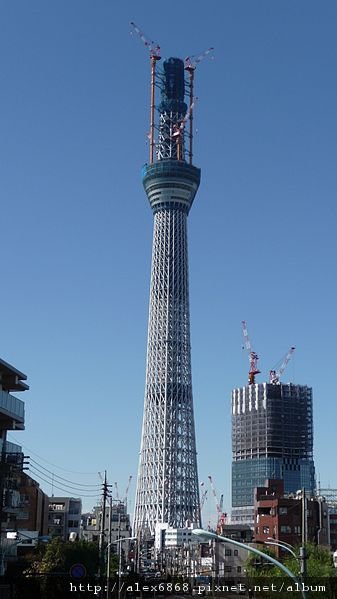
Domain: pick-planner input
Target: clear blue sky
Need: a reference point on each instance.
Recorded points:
(77, 229)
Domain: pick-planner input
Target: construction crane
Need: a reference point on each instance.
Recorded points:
(253, 357)
(275, 375)
(125, 500)
(203, 496)
(190, 66)
(116, 490)
(179, 129)
(221, 516)
(154, 50)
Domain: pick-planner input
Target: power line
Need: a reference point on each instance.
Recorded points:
(51, 463)
(64, 479)
(51, 482)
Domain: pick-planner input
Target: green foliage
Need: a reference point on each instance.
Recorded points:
(114, 564)
(257, 567)
(319, 568)
(58, 556)
(319, 563)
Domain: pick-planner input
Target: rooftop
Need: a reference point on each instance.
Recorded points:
(12, 379)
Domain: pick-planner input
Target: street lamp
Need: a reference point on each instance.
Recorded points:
(211, 535)
(119, 566)
(282, 545)
(287, 547)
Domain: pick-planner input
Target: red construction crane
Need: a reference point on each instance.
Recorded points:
(221, 516)
(154, 50)
(275, 375)
(153, 47)
(179, 129)
(190, 66)
(253, 357)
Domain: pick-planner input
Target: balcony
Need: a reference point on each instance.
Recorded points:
(12, 412)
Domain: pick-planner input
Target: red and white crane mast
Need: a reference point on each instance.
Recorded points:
(154, 50)
(221, 516)
(190, 66)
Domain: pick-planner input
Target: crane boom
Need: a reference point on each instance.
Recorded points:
(221, 515)
(214, 495)
(275, 375)
(203, 499)
(253, 357)
(154, 48)
(192, 61)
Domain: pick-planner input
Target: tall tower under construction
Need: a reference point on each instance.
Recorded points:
(272, 438)
(167, 486)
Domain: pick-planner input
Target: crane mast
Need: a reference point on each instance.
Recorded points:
(190, 66)
(221, 515)
(253, 357)
(154, 51)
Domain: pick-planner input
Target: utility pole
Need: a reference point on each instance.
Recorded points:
(109, 552)
(303, 551)
(105, 492)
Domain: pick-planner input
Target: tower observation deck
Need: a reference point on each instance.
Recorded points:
(167, 486)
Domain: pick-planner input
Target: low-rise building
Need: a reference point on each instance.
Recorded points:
(34, 505)
(64, 517)
(330, 496)
(290, 518)
(12, 417)
(117, 525)
(167, 536)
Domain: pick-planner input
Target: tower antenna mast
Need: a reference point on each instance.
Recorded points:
(154, 50)
(190, 66)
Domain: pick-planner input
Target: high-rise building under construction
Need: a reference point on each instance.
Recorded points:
(272, 438)
(167, 486)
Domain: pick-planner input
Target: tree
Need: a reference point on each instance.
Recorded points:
(319, 568)
(59, 556)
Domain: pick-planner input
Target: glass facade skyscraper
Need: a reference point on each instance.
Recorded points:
(272, 437)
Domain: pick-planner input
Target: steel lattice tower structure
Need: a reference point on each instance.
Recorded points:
(167, 487)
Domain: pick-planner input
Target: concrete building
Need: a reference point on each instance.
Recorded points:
(167, 536)
(231, 560)
(272, 437)
(330, 496)
(12, 417)
(290, 518)
(64, 517)
(120, 526)
(34, 506)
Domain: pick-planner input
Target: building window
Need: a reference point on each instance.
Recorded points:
(236, 552)
(23, 516)
(266, 530)
(238, 569)
(286, 529)
(283, 510)
(228, 552)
